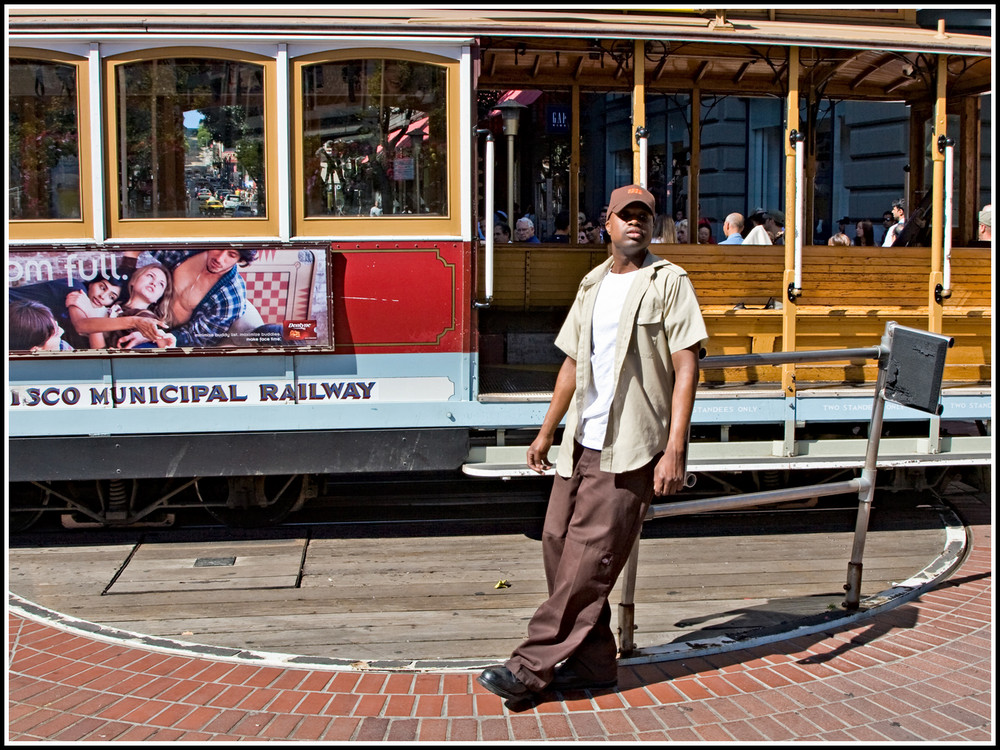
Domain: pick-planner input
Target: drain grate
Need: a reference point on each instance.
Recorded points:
(214, 562)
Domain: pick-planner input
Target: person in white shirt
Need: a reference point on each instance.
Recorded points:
(892, 234)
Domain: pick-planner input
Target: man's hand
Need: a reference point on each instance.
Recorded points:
(538, 454)
(669, 474)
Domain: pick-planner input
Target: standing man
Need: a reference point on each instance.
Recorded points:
(892, 233)
(627, 386)
(732, 227)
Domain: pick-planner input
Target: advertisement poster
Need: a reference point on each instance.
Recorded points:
(121, 299)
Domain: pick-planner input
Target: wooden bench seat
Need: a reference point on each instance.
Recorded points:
(848, 296)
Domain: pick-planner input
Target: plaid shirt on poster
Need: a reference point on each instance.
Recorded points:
(224, 303)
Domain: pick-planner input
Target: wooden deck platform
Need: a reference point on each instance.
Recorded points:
(423, 593)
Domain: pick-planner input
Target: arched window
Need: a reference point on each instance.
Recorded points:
(49, 145)
(374, 141)
(191, 139)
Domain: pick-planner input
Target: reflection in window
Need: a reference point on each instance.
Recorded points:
(44, 165)
(375, 139)
(191, 139)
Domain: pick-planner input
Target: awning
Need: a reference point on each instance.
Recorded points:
(520, 96)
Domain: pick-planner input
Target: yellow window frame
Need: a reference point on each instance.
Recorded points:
(227, 227)
(402, 225)
(69, 229)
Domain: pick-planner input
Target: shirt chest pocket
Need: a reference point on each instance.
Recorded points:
(650, 338)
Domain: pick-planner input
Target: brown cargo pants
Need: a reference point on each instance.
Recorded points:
(593, 518)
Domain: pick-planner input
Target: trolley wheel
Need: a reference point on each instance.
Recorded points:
(252, 502)
(25, 499)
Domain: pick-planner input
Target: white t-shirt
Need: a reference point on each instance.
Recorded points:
(893, 233)
(607, 313)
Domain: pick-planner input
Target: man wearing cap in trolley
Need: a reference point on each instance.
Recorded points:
(627, 386)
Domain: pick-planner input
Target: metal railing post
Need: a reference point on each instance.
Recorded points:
(626, 607)
(852, 600)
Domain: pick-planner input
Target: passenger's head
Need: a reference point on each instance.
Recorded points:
(501, 233)
(682, 232)
(664, 230)
(774, 224)
(986, 222)
(839, 239)
(524, 229)
(864, 233)
(593, 231)
(32, 327)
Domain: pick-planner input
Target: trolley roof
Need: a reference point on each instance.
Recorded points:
(845, 53)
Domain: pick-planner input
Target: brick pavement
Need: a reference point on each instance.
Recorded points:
(921, 671)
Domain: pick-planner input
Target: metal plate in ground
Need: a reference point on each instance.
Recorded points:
(257, 564)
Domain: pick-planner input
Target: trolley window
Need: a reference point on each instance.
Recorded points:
(189, 146)
(49, 140)
(374, 145)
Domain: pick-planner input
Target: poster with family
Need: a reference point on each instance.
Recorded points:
(166, 299)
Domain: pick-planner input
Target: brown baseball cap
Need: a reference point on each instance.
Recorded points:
(623, 196)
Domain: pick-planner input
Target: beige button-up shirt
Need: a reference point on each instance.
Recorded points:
(661, 315)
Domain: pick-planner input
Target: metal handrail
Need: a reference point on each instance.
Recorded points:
(489, 162)
(719, 362)
(947, 146)
(798, 142)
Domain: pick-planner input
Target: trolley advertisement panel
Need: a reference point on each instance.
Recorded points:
(216, 297)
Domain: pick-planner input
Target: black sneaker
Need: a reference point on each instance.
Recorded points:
(501, 681)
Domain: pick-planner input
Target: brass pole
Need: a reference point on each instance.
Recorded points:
(789, 303)
(694, 168)
(574, 165)
(935, 307)
(638, 104)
